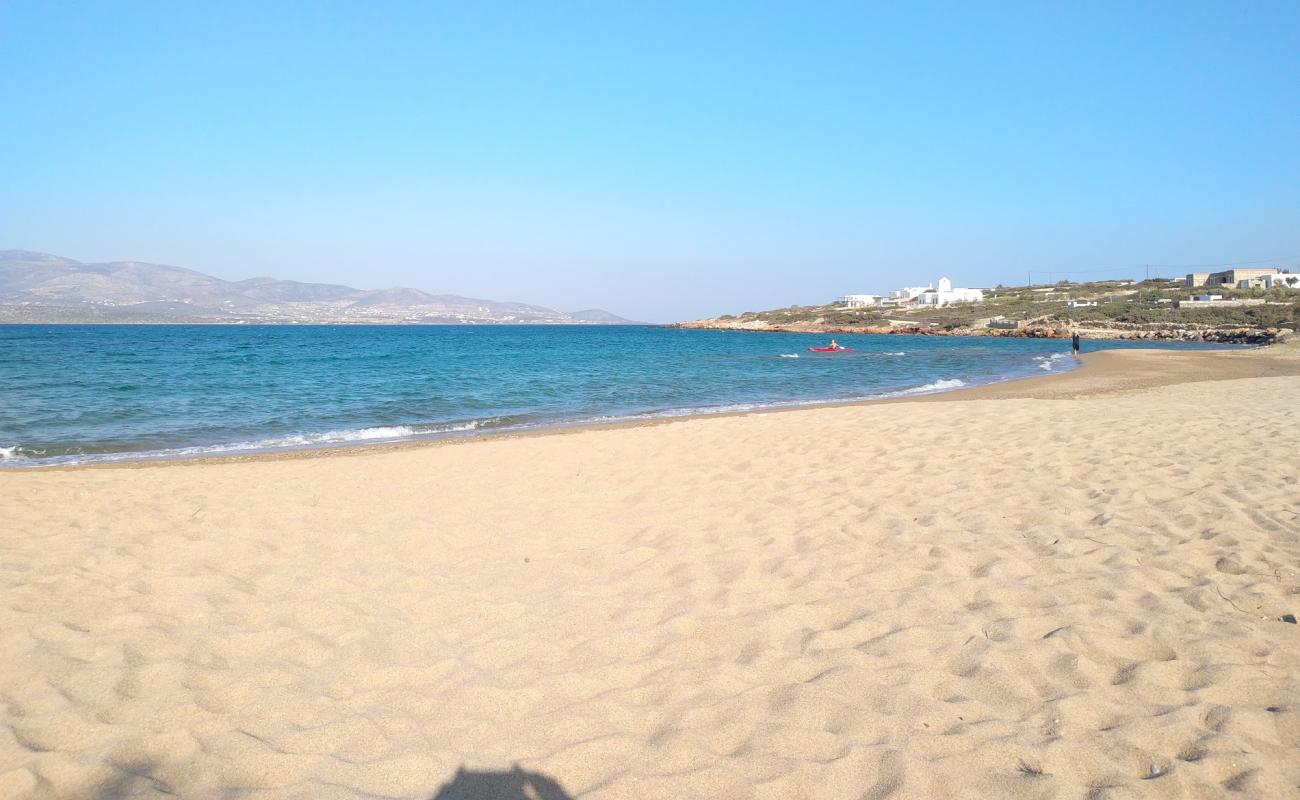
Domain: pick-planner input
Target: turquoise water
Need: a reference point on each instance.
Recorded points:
(74, 393)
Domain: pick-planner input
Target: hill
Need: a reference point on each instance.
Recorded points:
(39, 287)
(600, 315)
(1123, 309)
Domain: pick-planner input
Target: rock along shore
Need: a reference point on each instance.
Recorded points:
(1031, 329)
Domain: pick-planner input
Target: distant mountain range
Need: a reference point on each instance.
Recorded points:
(38, 287)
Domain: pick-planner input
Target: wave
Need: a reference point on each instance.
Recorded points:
(934, 387)
(17, 456)
(789, 355)
(359, 435)
(941, 385)
(1049, 362)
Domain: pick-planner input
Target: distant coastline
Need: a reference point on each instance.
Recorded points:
(40, 288)
(50, 316)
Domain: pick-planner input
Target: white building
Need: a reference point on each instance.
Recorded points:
(1216, 300)
(1281, 280)
(860, 300)
(946, 294)
(909, 293)
(1081, 304)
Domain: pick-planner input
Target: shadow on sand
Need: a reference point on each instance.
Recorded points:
(516, 784)
(134, 779)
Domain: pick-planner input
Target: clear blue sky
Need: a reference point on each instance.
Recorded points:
(660, 160)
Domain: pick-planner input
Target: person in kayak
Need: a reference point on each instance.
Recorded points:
(833, 347)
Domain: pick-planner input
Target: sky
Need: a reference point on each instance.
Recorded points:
(661, 160)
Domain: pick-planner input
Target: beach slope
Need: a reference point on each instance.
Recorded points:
(1042, 589)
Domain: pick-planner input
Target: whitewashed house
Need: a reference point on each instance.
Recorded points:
(860, 300)
(946, 294)
(908, 293)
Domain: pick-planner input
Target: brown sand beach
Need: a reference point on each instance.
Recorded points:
(1069, 587)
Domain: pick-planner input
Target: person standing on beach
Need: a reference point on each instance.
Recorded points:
(1074, 344)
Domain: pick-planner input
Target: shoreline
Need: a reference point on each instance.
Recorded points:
(1098, 373)
(1031, 588)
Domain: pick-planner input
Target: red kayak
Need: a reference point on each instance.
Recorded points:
(831, 349)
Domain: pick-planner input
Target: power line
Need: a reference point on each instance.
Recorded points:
(1150, 270)
(1227, 263)
(1052, 273)
(1083, 271)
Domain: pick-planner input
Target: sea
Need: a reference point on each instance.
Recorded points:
(76, 394)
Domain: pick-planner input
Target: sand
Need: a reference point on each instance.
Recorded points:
(1061, 588)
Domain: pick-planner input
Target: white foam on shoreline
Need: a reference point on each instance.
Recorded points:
(397, 433)
(1049, 363)
(941, 385)
(377, 434)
